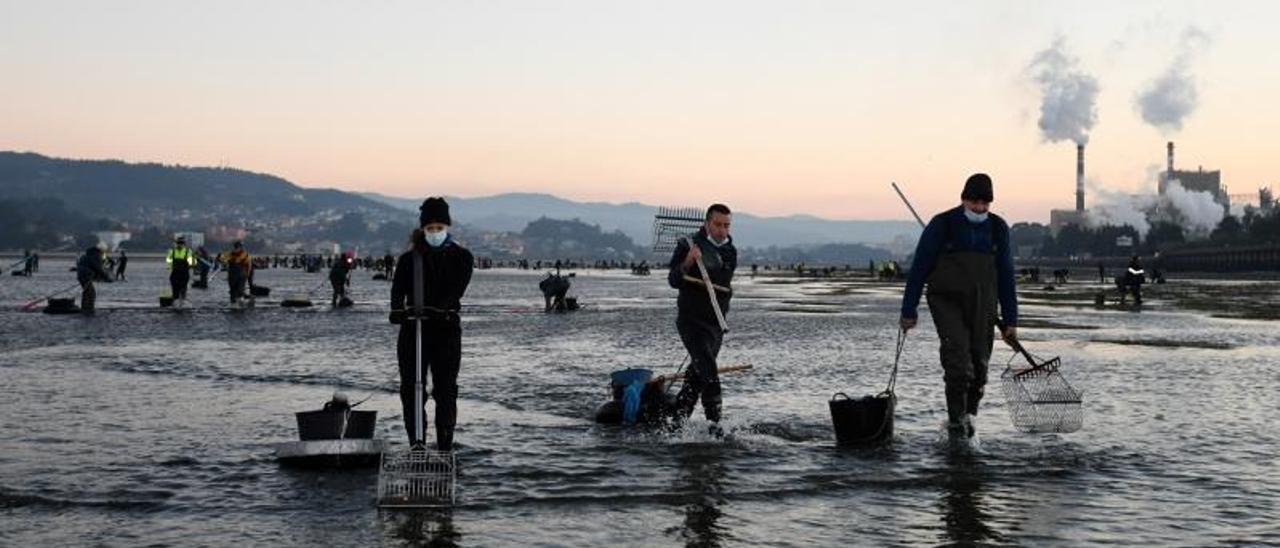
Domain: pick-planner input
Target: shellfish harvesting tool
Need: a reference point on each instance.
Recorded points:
(33, 304)
(673, 224)
(417, 477)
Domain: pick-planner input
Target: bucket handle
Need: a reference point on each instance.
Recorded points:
(897, 357)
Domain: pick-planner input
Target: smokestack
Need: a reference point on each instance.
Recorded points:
(1080, 178)
(1169, 174)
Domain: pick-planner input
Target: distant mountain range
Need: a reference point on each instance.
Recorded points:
(279, 214)
(513, 211)
(154, 192)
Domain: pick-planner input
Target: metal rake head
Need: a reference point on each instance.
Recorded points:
(672, 223)
(1041, 400)
(417, 479)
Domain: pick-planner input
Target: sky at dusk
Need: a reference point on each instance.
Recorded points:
(772, 107)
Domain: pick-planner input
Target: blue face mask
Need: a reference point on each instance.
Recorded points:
(436, 239)
(975, 218)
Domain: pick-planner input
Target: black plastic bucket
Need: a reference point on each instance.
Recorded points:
(327, 425)
(61, 306)
(863, 421)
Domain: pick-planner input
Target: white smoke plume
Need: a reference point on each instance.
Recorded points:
(1119, 209)
(1196, 212)
(1171, 97)
(1068, 106)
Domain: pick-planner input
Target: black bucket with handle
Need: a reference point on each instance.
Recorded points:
(867, 420)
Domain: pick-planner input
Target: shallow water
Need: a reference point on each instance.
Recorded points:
(143, 426)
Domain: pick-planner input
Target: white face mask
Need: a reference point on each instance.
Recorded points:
(436, 239)
(975, 218)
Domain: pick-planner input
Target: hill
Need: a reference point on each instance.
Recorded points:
(513, 211)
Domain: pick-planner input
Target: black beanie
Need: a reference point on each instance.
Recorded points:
(434, 210)
(978, 187)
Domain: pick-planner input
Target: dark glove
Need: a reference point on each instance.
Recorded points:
(397, 317)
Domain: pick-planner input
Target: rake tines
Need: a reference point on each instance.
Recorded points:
(673, 223)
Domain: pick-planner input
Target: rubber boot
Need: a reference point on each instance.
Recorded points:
(957, 397)
(971, 410)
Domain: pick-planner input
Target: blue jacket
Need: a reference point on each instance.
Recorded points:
(990, 236)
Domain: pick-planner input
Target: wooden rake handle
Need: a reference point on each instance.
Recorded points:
(683, 374)
(699, 281)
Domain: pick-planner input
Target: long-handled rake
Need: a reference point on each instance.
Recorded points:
(673, 224)
(417, 477)
(33, 304)
(14, 266)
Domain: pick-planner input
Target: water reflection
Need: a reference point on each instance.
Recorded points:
(700, 482)
(430, 527)
(965, 514)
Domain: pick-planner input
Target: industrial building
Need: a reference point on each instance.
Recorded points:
(1196, 181)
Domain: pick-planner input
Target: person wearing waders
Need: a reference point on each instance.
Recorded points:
(28, 263)
(696, 320)
(1134, 275)
(441, 267)
(239, 271)
(203, 265)
(339, 278)
(180, 260)
(964, 257)
(88, 270)
(121, 263)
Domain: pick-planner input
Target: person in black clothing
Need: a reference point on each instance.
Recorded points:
(88, 270)
(1134, 276)
(696, 321)
(340, 278)
(28, 263)
(121, 264)
(446, 272)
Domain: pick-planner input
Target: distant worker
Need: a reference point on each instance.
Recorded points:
(340, 278)
(239, 272)
(88, 270)
(28, 263)
(180, 260)
(965, 257)
(204, 264)
(1134, 276)
(121, 264)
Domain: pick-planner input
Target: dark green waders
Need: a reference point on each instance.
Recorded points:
(962, 297)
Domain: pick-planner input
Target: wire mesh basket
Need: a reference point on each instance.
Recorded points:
(1041, 400)
(417, 479)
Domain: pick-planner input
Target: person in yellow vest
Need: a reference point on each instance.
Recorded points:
(239, 271)
(180, 260)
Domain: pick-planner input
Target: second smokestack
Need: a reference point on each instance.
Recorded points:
(1080, 178)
